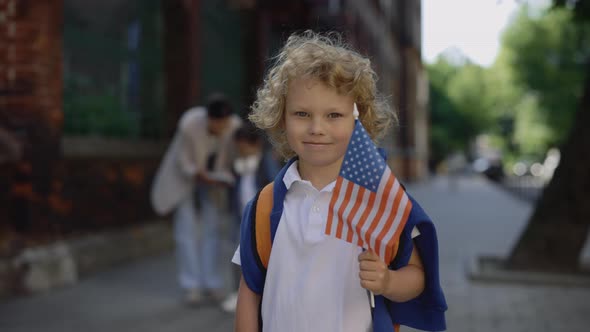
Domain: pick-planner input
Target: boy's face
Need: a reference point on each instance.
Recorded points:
(318, 124)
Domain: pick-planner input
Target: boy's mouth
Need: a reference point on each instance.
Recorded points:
(315, 143)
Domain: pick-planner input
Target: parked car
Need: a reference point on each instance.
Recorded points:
(491, 168)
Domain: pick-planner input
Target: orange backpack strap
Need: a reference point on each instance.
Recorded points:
(262, 223)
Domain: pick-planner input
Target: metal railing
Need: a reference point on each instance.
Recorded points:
(527, 187)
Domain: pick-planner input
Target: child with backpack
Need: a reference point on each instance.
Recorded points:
(294, 277)
(253, 168)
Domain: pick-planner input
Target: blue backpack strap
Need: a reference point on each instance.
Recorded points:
(279, 193)
(425, 312)
(253, 271)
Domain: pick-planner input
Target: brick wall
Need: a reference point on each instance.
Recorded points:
(30, 97)
(30, 65)
(50, 193)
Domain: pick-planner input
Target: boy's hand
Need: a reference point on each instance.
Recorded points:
(374, 274)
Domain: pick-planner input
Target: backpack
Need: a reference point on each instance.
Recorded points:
(262, 206)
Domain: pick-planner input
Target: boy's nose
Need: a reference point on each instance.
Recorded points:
(316, 127)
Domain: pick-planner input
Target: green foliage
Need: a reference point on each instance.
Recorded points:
(459, 108)
(547, 56)
(442, 111)
(531, 130)
(446, 125)
(526, 101)
(469, 91)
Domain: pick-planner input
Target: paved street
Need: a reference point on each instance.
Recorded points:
(473, 218)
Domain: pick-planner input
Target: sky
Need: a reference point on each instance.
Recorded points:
(472, 26)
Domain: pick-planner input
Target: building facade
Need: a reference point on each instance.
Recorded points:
(94, 101)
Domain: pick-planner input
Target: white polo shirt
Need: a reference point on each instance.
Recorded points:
(312, 282)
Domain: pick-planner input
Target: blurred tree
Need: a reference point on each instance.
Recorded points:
(546, 54)
(504, 97)
(531, 132)
(557, 229)
(459, 106)
(469, 91)
(444, 117)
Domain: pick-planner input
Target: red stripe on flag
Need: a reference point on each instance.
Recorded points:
(351, 215)
(394, 212)
(389, 252)
(342, 208)
(380, 211)
(389, 214)
(332, 202)
(363, 218)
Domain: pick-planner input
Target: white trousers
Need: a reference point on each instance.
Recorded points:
(196, 234)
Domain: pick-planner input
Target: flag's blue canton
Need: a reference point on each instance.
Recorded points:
(362, 163)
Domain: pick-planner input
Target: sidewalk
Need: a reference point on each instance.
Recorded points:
(478, 218)
(473, 218)
(136, 297)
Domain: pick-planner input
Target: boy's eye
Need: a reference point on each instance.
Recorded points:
(301, 114)
(334, 115)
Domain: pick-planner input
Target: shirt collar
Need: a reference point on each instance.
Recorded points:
(292, 176)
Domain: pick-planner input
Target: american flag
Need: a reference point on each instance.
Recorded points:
(369, 206)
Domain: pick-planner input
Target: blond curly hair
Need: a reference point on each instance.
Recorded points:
(332, 62)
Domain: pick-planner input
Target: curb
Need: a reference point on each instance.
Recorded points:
(491, 269)
(64, 263)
